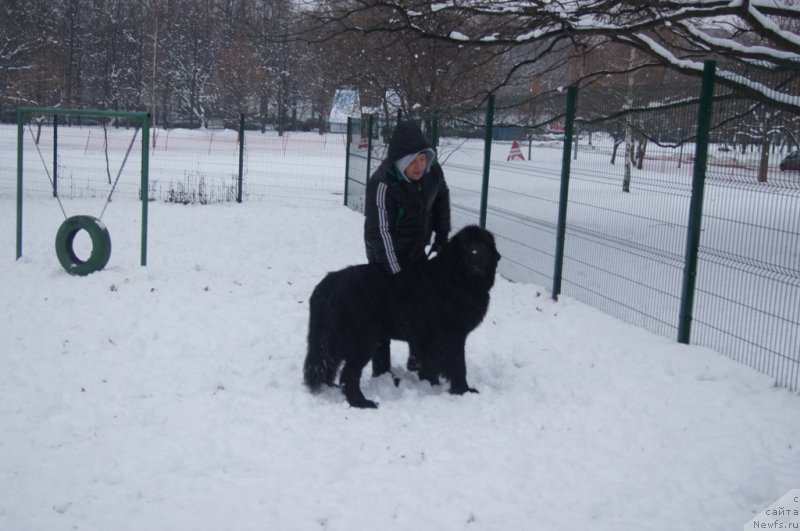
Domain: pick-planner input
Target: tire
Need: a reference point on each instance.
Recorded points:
(101, 245)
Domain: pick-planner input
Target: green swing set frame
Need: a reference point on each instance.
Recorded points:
(143, 118)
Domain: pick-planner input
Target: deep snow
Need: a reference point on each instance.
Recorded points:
(170, 397)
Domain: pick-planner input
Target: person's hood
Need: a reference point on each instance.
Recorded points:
(407, 139)
(406, 142)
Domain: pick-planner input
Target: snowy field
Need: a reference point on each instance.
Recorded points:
(170, 397)
(624, 253)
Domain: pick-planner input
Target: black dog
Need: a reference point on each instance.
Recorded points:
(433, 305)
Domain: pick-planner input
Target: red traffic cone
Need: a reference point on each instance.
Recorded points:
(516, 152)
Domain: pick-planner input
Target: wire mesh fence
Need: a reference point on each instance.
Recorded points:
(628, 213)
(747, 303)
(297, 167)
(631, 180)
(186, 165)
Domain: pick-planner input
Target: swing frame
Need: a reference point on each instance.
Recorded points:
(24, 113)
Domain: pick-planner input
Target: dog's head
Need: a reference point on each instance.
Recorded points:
(472, 250)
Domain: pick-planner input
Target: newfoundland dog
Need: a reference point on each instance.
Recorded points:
(433, 305)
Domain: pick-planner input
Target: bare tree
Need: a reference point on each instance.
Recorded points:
(113, 56)
(428, 76)
(747, 39)
(191, 55)
(28, 70)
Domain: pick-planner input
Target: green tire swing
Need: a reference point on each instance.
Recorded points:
(101, 240)
(101, 245)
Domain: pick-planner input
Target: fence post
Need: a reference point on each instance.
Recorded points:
(369, 146)
(347, 157)
(435, 133)
(561, 229)
(696, 203)
(241, 157)
(55, 155)
(145, 181)
(20, 140)
(487, 160)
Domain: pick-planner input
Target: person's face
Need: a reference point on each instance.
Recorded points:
(416, 169)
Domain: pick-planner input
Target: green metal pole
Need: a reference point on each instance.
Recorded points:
(241, 157)
(55, 155)
(145, 181)
(347, 157)
(369, 146)
(20, 140)
(561, 229)
(696, 203)
(487, 160)
(435, 133)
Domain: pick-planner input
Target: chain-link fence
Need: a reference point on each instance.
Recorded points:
(702, 251)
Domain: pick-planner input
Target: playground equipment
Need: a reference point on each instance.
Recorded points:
(97, 231)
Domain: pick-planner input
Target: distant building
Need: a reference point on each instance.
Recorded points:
(346, 104)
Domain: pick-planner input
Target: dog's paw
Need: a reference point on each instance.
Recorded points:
(364, 404)
(461, 389)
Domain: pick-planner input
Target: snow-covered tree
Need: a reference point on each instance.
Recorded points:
(590, 43)
(24, 54)
(113, 55)
(427, 76)
(191, 54)
(756, 43)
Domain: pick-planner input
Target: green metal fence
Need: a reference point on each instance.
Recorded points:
(673, 221)
(228, 161)
(603, 208)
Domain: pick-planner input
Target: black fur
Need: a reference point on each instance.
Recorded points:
(433, 305)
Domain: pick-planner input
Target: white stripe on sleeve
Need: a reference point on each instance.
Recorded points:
(383, 228)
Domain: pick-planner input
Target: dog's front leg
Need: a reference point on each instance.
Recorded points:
(456, 368)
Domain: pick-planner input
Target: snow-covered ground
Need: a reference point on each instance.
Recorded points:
(169, 397)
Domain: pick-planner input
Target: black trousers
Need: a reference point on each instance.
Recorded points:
(382, 360)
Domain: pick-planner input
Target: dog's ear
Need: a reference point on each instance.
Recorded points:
(453, 246)
(492, 245)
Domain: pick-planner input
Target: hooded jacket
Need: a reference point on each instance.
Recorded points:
(401, 214)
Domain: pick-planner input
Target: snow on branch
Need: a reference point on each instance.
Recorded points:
(724, 77)
(755, 42)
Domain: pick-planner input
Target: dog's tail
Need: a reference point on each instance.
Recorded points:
(321, 363)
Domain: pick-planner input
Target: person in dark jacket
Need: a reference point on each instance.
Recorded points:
(407, 201)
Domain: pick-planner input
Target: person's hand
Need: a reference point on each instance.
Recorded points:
(438, 244)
